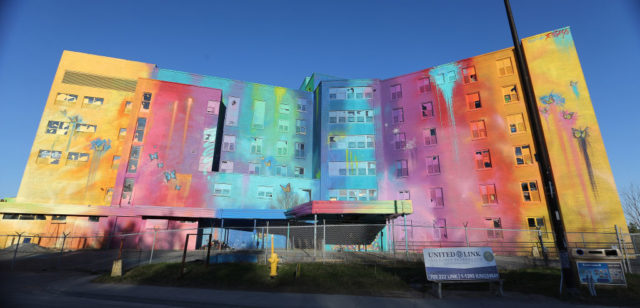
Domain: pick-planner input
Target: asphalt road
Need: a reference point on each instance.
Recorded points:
(74, 289)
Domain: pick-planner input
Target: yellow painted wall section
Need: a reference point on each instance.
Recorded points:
(585, 185)
(58, 170)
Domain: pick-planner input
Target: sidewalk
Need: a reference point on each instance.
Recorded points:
(70, 289)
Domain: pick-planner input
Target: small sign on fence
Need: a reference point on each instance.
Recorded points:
(603, 273)
(461, 263)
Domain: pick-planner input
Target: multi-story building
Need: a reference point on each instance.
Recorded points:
(125, 146)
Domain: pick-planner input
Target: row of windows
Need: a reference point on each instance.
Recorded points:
(263, 192)
(259, 110)
(62, 128)
(67, 99)
(351, 116)
(435, 196)
(359, 168)
(353, 194)
(482, 161)
(350, 93)
(492, 224)
(515, 122)
(50, 157)
(227, 166)
(504, 68)
(54, 218)
(351, 142)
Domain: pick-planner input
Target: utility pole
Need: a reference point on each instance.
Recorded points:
(542, 156)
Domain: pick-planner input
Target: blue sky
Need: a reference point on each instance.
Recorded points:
(281, 42)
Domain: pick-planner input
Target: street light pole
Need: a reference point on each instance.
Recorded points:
(544, 162)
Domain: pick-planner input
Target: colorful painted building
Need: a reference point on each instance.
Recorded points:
(125, 146)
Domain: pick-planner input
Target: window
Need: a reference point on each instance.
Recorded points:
(127, 107)
(66, 99)
(301, 127)
(115, 162)
(353, 194)
(404, 195)
(351, 142)
(510, 94)
(226, 166)
(530, 191)
(302, 105)
(494, 226)
(396, 92)
(402, 168)
(127, 191)
(94, 218)
(299, 150)
(283, 125)
(424, 85)
(504, 67)
(488, 194)
(537, 223)
(451, 76)
(47, 157)
(429, 135)
(473, 101)
(228, 143)
(433, 165)
(400, 141)
(483, 159)
(369, 115)
(435, 197)
(140, 126)
(92, 101)
(122, 133)
(256, 146)
(469, 74)
(57, 128)
(427, 109)
(86, 128)
(478, 129)
(516, 123)
(355, 116)
(220, 189)
(285, 108)
(298, 172)
(372, 168)
(523, 155)
(136, 150)
(265, 192)
(213, 107)
(439, 228)
(77, 158)
(254, 168)
(59, 217)
(281, 147)
(146, 101)
(398, 115)
(10, 216)
(233, 109)
(258, 115)
(281, 170)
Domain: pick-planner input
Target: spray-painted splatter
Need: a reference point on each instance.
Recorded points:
(581, 135)
(552, 99)
(99, 147)
(568, 115)
(574, 87)
(445, 77)
(74, 121)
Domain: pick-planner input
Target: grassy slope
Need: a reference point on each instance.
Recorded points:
(390, 280)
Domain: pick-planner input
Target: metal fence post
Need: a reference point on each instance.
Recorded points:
(545, 257)
(15, 252)
(406, 243)
(315, 232)
(466, 233)
(393, 237)
(255, 235)
(324, 237)
(153, 246)
(288, 227)
(268, 232)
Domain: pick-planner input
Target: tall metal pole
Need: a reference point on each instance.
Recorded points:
(544, 162)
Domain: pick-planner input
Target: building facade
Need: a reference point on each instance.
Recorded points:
(126, 146)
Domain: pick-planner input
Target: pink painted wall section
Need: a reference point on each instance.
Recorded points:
(176, 149)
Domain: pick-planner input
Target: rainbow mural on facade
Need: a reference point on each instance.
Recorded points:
(126, 146)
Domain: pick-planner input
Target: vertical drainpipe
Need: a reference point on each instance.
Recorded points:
(544, 162)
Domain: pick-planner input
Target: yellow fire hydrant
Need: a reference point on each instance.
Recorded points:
(273, 260)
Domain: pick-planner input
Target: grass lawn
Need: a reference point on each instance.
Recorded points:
(401, 279)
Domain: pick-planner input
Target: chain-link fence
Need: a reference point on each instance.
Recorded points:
(349, 243)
